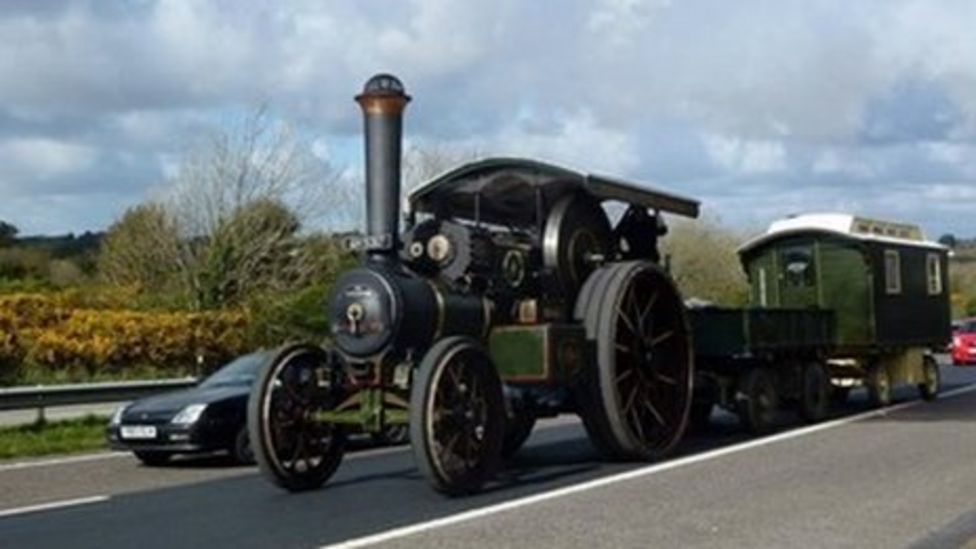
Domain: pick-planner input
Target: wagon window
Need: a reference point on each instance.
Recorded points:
(892, 262)
(762, 287)
(933, 269)
(798, 266)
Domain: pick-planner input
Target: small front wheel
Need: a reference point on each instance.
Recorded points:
(457, 416)
(292, 448)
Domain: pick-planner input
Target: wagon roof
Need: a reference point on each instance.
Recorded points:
(507, 189)
(844, 225)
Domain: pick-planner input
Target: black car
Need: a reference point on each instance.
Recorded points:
(209, 417)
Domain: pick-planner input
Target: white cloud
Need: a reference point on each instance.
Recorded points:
(42, 159)
(778, 90)
(746, 156)
(576, 140)
(835, 161)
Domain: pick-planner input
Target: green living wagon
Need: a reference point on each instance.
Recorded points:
(837, 301)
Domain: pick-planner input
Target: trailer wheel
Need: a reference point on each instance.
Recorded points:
(292, 450)
(757, 401)
(457, 416)
(815, 398)
(879, 386)
(635, 396)
(932, 379)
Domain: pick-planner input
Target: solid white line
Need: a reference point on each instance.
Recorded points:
(52, 505)
(61, 461)
(465, 516)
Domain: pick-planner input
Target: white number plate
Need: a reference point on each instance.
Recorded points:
(141, 432)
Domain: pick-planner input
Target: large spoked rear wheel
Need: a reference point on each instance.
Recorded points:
(292, 449)
(457, 416)
(635, 396)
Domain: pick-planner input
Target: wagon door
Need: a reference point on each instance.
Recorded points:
(846, 287)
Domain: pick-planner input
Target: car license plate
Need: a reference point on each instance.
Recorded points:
(141, 432)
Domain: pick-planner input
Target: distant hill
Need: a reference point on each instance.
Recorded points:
(63, 246)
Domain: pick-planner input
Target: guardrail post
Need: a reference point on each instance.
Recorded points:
(40, 415)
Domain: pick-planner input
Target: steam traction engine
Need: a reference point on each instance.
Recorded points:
(509, 296)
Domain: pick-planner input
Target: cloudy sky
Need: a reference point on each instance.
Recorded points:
(758, 108)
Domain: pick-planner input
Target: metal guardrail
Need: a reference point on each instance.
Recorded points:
(48, 396)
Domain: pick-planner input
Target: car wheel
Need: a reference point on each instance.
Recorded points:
(242, 451)
(392, 435)
(152, 459)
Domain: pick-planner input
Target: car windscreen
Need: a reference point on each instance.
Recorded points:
(240, 371)
(968, 327)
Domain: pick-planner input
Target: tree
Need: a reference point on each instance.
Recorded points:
(229, 222)
(704, 262)
(948, 240)
(253, 249)
(8, 233)
(421, 163)
(141, 249)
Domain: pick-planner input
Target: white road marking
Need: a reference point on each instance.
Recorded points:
(52, 505)
(61, 461)
(405, 531)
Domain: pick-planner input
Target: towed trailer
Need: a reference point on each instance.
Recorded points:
(837, 301)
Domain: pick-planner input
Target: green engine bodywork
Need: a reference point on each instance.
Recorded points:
(541, 353)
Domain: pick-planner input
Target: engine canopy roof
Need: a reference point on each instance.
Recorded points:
(506, 190)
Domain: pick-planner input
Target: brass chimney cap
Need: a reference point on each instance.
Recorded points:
(383, 94)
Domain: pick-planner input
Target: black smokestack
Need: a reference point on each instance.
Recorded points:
(383, 100)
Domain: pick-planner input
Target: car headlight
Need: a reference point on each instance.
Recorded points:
(956, 341)
(117, 415)
(189, 414)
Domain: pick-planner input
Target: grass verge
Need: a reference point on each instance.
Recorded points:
(53, 437)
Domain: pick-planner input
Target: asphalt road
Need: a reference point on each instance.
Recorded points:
(906, 476)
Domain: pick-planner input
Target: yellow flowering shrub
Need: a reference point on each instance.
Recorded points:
(45, 331)
(11, 350)
(34, 310)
